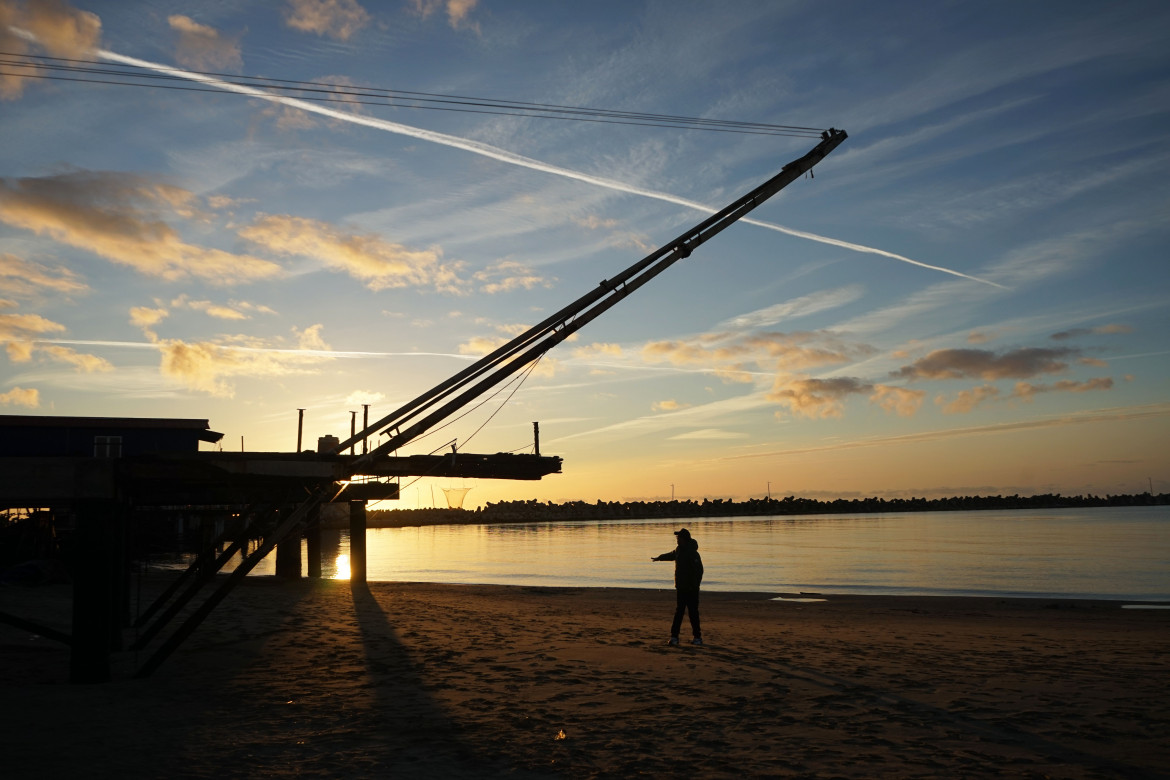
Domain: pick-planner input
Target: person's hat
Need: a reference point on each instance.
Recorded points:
(683, 532)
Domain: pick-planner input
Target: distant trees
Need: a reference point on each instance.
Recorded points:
(536, 511)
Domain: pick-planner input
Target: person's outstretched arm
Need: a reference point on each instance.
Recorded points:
(665, 556)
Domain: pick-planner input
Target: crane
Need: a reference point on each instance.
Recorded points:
(418, 416)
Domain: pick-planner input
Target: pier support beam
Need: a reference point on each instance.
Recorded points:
(288, 556)
(98, 568)
(357, 541)
(313, 542)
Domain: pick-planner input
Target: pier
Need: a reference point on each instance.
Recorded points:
(106, 481)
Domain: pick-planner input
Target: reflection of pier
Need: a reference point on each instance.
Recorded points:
(111, 480)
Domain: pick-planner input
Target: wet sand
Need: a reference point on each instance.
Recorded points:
(315, 679)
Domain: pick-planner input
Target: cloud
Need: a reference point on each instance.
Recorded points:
(482, 345)
(479, 346)
(19, 396)
(310, 338)
(206, 366)
(219, 311)
(966, 400)
(378, 263)
(546, 367)
(201, 47)
(222, 202)
(897, 400)
(55, 27)
(18, 330)
(200, 366)
(20, 335)
(704, 414)
(825, 398)
(1026, 390)
(338, 19)
(81, 361)
(623, 239)
(593, 222)
(681, 353)
(233, 310)
(25, 278)
(983, 364)
(457, 10)
(512, 328)
(146, 318)
(359, 397)
(802, 349)
(123, 218)
(258, 308)
(793, 351)
(594, 350)
(797, 307)
(1076, 332)
(1113, 328)
(817, 398)
(508, 275)
(709, 434)
(669, 405)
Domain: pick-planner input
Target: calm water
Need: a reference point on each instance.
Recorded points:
(1119, 553)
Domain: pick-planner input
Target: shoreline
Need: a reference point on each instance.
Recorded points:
(324, 679)
(508, 512)
(1155, 601)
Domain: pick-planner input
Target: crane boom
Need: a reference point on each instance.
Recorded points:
(443, 400)
(416, 417)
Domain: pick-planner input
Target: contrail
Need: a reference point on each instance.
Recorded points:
(320, 353)
(495, 153)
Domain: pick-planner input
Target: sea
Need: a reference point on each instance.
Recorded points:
(1120, 553)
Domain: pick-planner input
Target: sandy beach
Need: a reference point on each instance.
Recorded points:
(321, 680)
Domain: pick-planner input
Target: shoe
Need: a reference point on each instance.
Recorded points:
(673, 641)
(697, 641)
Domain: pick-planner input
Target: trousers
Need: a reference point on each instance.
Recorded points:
(688, 601)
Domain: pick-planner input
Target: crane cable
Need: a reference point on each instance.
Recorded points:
(86, 71)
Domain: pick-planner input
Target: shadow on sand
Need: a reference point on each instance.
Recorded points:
(409, 733)
(305, 678)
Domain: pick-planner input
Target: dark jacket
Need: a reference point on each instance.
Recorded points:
(688, 566)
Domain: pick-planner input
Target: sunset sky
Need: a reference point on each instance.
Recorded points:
(971, 296)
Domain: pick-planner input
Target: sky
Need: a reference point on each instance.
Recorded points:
(971, 296)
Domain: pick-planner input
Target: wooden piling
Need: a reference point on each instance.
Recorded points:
(313, 542)
(288, 556)
(357, 541)
(96, 568)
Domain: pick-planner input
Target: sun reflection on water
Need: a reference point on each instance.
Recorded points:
(342, 569)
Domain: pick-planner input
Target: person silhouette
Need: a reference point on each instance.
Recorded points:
(688, 573)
